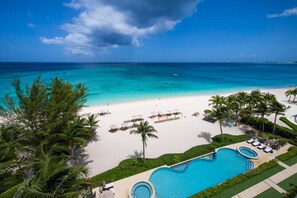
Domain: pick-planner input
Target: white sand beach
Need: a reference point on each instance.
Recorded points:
(174, 136)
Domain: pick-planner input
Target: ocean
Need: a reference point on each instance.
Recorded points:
(122, 82)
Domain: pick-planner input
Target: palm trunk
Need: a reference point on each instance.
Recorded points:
(274, 123)
(221, 130)
(263, 125)
(143, 150)
(289, 98)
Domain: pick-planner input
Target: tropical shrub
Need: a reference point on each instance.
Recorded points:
(292, 151)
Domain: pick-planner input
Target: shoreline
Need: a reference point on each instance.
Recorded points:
(174, 136)
(169, 97)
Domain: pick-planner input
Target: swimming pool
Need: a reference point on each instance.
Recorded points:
(199, 174)
(247, 152)
(142, 190)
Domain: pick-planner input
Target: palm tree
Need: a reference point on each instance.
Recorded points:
(92, 122)
(75, 135)
(146, 131)
(269, 98)
(294, 93)
(289, 93)
(278, 109)
(232, 104)
(254, 98)
(262, 109)
(219, 110)
(216, 101)
(53, 177)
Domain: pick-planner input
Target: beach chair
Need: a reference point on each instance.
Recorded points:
(256, 143)
(268, 149)
(250, 140)
(261, 146)
(108, 186)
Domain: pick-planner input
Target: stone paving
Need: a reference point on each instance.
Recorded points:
(268, 183)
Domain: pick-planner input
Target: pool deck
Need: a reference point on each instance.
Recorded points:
(123, 186)
(263, 157)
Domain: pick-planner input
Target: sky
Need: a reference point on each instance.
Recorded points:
(148, 30)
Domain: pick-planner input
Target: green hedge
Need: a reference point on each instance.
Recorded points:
(268, 127)
(292, 151)
(235, 180)
(289, 123)
(131, 167)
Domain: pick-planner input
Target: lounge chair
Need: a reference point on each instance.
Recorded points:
(262, 140)
(250, 140)
(268, 149)
(256, 143)
(275, 146)
(261, 146)
(108, 186)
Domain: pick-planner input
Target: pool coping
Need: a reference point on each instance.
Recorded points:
(254, 158)
(151, 185)
(122, 186)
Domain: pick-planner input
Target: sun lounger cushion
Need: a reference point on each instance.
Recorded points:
(261, 146)
(268, 149)
(250, 140)
(256, 143)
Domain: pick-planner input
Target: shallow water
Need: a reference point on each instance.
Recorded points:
(110, 83)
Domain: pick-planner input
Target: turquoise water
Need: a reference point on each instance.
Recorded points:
(141, 190)
(113, 83)
(199, 174)
(248, 152)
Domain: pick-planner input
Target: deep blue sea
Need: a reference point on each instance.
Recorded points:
(118, 82)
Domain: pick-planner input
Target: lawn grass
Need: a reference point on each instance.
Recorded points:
(291, 161)
(286, 184)
(289, 157)
(229, 192)
(289, 123)
(270, 193)
(131, 167)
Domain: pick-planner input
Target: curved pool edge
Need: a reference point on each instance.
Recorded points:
(199, 158)
(148, 182)
(250, 157)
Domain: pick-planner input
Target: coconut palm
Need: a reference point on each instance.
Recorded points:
(254, 98)
(216, 101)
(278, 109)
(145, 131)
(289, 94)
(268, 98)
(262, 109)
(219, 110)
(294, 93)
(92, 122)
(232, 104)
(53, 177)
(242, 98)
(75, 135)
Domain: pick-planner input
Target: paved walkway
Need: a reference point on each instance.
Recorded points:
(268, 183)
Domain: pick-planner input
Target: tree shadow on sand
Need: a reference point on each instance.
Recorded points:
(136, 154)
(81, 157)
(95, 137)
(206, 136)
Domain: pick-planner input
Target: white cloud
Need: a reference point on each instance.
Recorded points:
(287, 12)
(31, 25)
(104, 24)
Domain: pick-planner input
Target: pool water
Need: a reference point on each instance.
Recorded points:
(248, 152)
(141, 190)
(199, 174)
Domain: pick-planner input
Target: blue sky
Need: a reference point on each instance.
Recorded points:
(148, 30)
